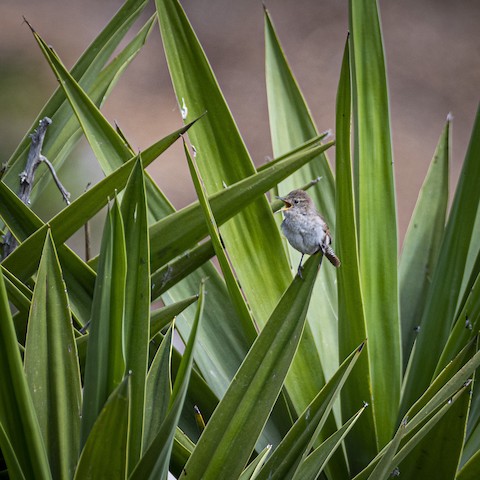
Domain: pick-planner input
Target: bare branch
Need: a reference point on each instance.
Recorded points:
(63, 191)
(33, 160)
(27, 177)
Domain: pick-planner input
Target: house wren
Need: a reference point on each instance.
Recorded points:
(305, 229)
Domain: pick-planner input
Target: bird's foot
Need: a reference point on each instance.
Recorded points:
(299, 271)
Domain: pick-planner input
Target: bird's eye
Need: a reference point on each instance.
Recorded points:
(295, 202)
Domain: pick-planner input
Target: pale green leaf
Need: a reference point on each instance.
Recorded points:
(376, 213)
(421, 245)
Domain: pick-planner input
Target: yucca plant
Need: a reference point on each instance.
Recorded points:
(364, 372)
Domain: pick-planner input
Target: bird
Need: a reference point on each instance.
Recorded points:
(305, 229)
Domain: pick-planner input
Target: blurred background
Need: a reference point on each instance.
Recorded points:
(433, 60)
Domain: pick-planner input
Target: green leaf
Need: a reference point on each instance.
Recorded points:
(102, 137)
(70, 219)
(443, 296)
(251, 472)
(158, 391)
(20, 434)
(466, 325)
(385, 466)
(472, 262)
(137, 305)
(51, 366)
(437, 456)
(291, 124)
(155, 462)
(9, 456)
(19, 294)
(182, 449)
(471, 470)
(472, 439)
(315, 463)
(232, 431)
(23, 261)
(233, 286)
(421, 245)
(105, 453)
(299, 440)
(105, 363)
(435, 402)
(361, 444)
(161, 317)
(376, 214)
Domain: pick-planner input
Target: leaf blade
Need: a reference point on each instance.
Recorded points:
(51, 366)
(376, 213)
(105, 363)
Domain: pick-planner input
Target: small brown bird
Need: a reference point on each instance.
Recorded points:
(305, 229)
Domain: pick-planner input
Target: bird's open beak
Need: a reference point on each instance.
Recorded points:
(286, 206)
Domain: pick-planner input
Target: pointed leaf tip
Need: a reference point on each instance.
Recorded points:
(360, 348)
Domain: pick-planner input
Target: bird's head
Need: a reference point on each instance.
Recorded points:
(297, 200)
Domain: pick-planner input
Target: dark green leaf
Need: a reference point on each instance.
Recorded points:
(136, 326)
(105, 453)
(20, 432)
(105, 362)
(51, 366)
(155, 462)
(159, 389)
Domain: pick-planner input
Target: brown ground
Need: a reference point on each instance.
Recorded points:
(433, 55)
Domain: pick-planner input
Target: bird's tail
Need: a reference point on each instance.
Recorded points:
(330, 254)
